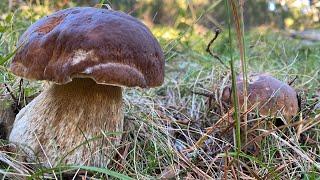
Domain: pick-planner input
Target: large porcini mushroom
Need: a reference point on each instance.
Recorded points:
(88, 54)
(275, 98)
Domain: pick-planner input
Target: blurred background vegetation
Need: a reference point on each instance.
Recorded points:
(171, 18)
(296, 14)
(184, 28)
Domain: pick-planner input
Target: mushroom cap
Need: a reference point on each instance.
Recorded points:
(273, 95)
(108, 46)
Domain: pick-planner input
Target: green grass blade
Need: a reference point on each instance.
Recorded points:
(59, 169)
(105, 171)
(7, 57)
(234, 86)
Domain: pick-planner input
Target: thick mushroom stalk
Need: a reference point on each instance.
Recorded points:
(69, 121)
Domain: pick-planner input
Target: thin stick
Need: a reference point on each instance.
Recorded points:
(21, 95)
(10, 92)
(292, 81)
(217, 32)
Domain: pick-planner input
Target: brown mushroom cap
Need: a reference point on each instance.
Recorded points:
(273, 95)
(108, 46)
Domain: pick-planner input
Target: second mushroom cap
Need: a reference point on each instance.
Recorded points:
(272, 95)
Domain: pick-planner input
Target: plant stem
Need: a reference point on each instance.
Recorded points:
(244, 74)
(239, 26)
(234, 86)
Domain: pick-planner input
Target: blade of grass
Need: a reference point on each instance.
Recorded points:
(7, 57)
(239, 26)
(244, 72)
(234, 85)
(105, 171)
(108, 172)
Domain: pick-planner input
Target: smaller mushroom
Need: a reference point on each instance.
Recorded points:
(275, 97)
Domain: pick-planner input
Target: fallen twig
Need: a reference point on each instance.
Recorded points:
(217, 32)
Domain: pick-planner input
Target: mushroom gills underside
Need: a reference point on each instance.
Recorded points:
(75, 123)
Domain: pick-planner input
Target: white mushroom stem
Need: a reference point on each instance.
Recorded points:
(63, 117)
